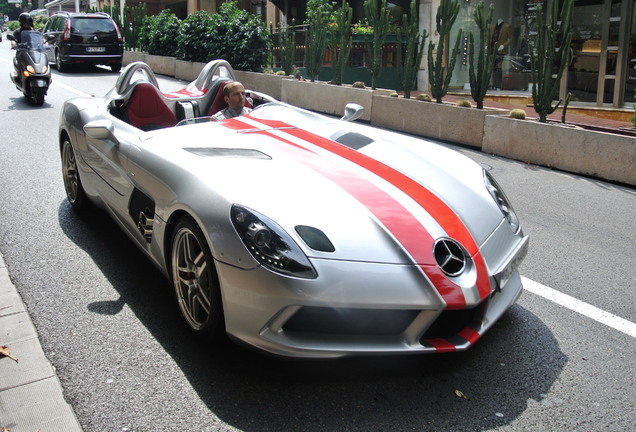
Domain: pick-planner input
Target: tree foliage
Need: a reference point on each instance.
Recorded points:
(235, 35)
(159, 34)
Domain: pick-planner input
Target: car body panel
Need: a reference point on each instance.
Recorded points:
(384, 201)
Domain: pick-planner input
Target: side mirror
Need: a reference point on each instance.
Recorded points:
(100, 129)
(352, 112)
(10, 37)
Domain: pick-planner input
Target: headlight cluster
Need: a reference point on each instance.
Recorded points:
(269, 244)
(31, 70)
(500, 198)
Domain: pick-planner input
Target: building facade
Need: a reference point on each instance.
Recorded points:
(602, 71)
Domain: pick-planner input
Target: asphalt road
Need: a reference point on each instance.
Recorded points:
(107, 322)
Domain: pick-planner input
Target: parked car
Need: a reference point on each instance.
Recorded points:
(83, 38)
(293, 232)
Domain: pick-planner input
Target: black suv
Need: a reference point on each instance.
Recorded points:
(83, 38)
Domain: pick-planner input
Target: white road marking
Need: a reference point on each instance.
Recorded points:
(73, 90)
(586, 309)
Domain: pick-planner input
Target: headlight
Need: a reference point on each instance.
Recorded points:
(269, 244)
(500, 198)
(44, 69)
(30, 69)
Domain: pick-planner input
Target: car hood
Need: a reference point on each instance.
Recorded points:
(378, 196)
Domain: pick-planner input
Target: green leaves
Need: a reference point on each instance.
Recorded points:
(235, 35)
(158, 34)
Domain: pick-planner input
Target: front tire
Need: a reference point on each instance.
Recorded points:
(72, 182)
(195, 280)
(38, 96)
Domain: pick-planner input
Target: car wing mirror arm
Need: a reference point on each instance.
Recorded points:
(352, 112)
(101, 130)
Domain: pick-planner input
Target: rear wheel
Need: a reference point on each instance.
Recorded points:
(72, 183)
(115, 67)
(195, 280)
(61, 67)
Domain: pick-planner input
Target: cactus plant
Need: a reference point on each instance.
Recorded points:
(480, 74)
(517, 113)
(438, 75)
(410, 64)
(340, 42)
(423, 97)
(318, 13)
(380, 20)
(287, 46)
(565, 106)
(546, 56)
(464, 103)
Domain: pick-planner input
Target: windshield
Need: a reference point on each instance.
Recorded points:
(32, 39)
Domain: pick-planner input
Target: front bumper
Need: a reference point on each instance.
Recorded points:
(357, 308)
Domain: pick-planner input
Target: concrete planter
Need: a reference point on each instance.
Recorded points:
(265, 83)
(598, 154)
(187, 70)
(440, 121)
(133, 56)
(161, 64)
(327, 98)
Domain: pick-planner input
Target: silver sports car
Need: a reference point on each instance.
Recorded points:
(292, 232)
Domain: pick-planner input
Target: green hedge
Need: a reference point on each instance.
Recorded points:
(232, 34)
(158, 34)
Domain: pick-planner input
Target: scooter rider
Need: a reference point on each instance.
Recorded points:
(26, 24)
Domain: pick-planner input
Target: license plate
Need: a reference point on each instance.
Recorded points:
(95, 49)
(513, 265)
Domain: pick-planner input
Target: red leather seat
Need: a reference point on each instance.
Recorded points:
(147, 110)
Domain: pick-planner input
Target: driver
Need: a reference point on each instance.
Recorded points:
(234, 96)
(26, 24)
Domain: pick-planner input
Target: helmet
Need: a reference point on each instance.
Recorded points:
(25, 18)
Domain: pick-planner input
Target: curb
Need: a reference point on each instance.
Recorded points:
(31, 395)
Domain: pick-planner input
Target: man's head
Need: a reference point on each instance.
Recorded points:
(234, 95)
(26, 21)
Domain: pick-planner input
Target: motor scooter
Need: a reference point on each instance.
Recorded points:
(32, 75)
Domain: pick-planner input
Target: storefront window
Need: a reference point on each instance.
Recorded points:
(512, 27)
(587, 19)
(630, 83)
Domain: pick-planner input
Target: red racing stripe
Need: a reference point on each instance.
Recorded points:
(441, 345)
(470, 334)
(399, 221)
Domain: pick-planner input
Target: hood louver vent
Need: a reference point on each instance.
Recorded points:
(228, 153)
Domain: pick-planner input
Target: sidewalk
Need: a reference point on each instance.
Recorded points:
(31, 396)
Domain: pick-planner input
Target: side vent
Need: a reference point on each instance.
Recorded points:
(142, 210)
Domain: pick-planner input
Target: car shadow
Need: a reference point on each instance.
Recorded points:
(82, 69)
(484, 388)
